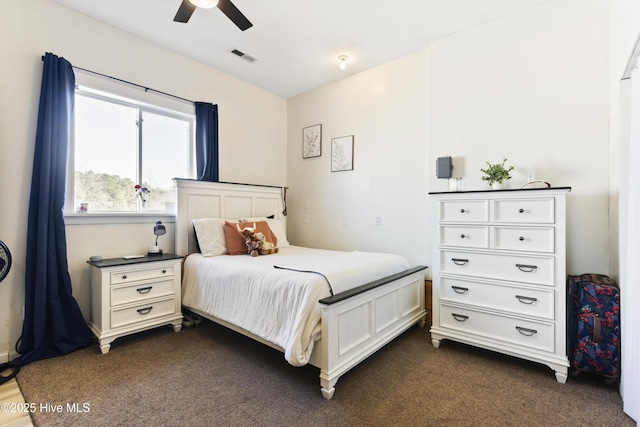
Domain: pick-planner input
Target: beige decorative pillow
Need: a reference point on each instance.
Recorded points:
(210, 235)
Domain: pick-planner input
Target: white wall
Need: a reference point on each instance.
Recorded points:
(534, 88)
(28, 29)
(385, 109)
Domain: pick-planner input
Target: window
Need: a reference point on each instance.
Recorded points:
(120, 143)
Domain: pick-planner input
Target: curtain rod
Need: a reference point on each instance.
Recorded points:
(146, 89)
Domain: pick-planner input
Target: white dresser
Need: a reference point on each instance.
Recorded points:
(499, 276)
(132, 295)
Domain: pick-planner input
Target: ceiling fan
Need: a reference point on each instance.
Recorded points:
(189, 6)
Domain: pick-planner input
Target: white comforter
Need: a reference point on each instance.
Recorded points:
(280, 305)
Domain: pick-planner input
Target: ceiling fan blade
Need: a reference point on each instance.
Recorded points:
(234, 14)
(184, 12)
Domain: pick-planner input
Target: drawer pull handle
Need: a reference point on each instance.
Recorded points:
(526, 268)
(144, 311)
(521, 210)
(124, 276)
(459, 289)
(526, 300)
(164, 271)
(462, 211)
(459, 317)
(521, 238)
(145, 290)
(526, 331)
(462, 236)
(460, 261)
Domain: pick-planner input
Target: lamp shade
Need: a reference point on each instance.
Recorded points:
(159, 229)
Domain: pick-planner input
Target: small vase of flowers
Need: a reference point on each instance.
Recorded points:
(496, 173)
(141, 197)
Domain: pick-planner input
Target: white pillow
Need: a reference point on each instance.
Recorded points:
(210, 235)
(276, 226)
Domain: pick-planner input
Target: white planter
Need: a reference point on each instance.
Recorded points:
(496, 186)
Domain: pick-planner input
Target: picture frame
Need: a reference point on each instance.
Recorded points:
(312, 141)
(342, 154)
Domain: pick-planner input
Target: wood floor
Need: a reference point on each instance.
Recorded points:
(10, 400)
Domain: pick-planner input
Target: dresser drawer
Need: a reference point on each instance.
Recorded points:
(517, 268)
(140, 292)
(527, 333)
(133, 275)
(142, 312)
(464, 211)
(529, 239)
(533, 211)
(464, 236)
(517, 300)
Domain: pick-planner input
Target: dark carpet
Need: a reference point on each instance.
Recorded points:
(210, 376)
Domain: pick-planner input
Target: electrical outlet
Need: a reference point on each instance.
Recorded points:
(378, 220)
(305, 219)
(306, 204)
(345, 220)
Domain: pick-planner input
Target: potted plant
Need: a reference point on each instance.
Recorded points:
(496, 173)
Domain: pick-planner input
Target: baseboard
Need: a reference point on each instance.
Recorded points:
(6, 355)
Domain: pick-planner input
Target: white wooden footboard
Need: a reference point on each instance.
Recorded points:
(355, 324)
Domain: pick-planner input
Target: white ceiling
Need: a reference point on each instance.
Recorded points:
(296, 43)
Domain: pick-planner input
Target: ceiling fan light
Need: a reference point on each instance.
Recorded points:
(205, 4)
(343, 61)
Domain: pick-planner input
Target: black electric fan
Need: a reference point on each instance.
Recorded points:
(5, 266)
(5, 260)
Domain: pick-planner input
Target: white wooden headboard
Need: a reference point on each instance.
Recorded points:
(202, 199)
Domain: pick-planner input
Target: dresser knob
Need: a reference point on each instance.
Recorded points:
(521, 238)
(462, 236)
(164, 271)
(462, 211)
(124, 276)
(521, 210)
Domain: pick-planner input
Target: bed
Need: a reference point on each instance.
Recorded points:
(341, 316)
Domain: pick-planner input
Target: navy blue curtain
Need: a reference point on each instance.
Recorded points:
(207, 142)
(53, 323)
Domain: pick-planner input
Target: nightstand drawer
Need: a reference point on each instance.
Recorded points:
(517, 268)
(464, 211)
(140, 292)
(464, 236)
(529, 239)
(522, 301)
(132, 275)
(534, 211)
(514, 331)
(142, 312)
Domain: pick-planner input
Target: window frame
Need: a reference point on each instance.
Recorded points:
(102, 217)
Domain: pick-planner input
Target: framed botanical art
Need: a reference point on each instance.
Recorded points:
(312, 141)
(342, 154)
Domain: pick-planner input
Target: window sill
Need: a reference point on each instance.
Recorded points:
(118, 218)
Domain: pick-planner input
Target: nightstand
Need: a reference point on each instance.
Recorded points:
(132, 295)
